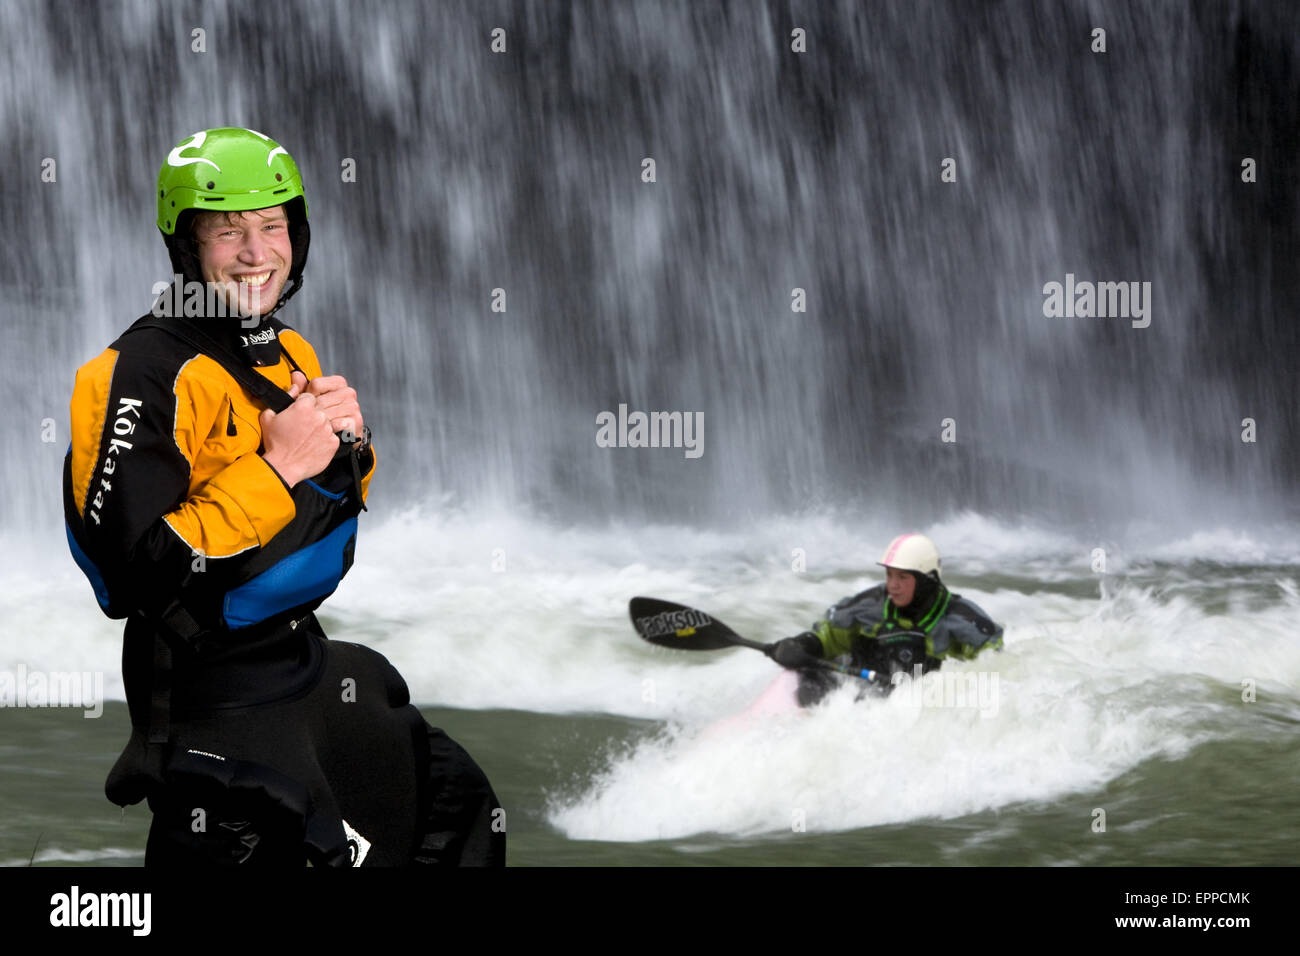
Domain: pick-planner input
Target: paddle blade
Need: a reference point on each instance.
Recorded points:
(678, 626)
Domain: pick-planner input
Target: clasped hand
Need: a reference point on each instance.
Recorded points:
(300, 441)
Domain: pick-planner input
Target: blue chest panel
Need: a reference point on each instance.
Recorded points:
(309, 574)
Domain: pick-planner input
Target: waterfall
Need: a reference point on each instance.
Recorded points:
(775, 171)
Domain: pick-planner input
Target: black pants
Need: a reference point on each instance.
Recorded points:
(340, 769)
(261, 819)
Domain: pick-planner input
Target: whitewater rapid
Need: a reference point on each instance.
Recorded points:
(1100, 671)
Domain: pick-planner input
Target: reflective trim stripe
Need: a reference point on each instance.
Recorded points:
(928, 622)
(925, 625)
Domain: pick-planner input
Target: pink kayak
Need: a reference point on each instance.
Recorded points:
(780, 697)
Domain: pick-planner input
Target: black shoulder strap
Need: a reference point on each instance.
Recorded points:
(175, 618)
(263, 388)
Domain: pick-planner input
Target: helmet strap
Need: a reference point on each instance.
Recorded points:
(294, 285)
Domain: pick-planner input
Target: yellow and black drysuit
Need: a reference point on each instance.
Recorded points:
(245, 718)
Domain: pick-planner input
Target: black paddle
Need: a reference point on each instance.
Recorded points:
(677, 626)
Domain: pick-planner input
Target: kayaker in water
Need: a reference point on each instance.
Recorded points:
(212, 491)
(910, 621)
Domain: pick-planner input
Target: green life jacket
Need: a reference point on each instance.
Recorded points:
(893, 622)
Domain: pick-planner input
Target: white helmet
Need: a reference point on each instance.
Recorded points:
(912, 552)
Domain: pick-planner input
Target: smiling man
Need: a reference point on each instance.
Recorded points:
(212, 493)
(247, 255)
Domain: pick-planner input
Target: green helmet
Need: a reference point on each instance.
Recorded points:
(225, 168)
(229, 169)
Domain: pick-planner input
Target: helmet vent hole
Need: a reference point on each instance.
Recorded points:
(278, 191)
